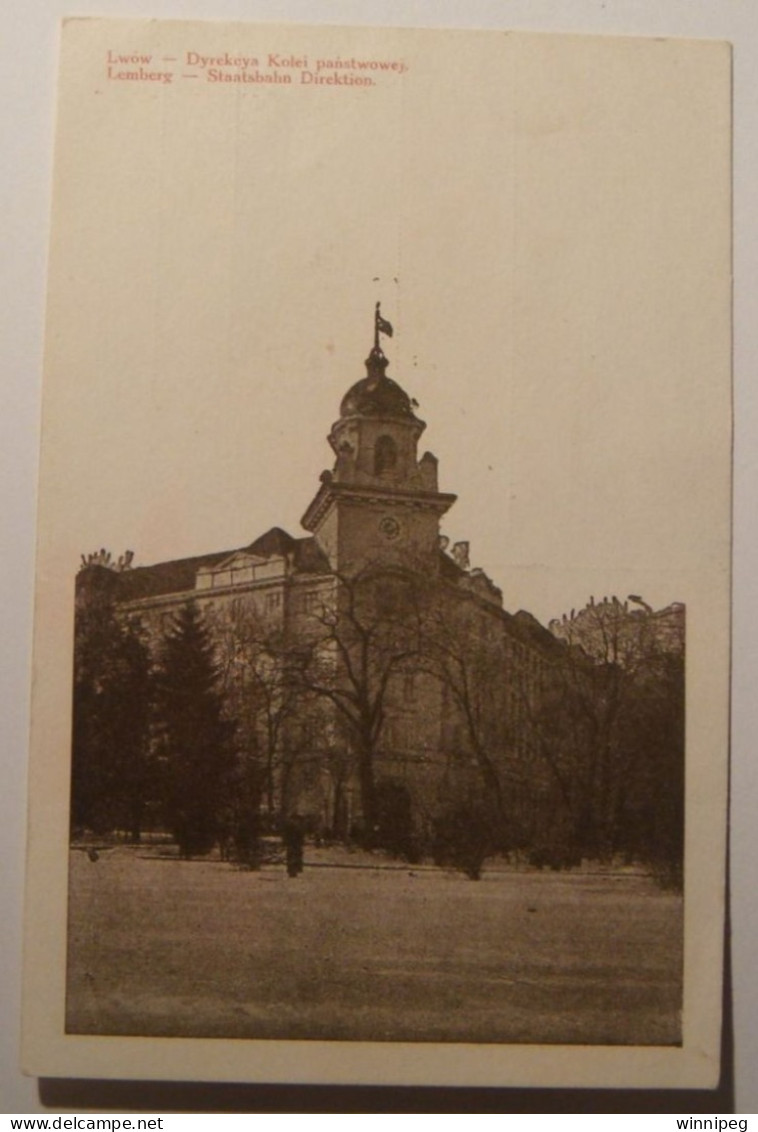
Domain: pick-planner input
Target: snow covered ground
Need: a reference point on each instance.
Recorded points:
(161, 946)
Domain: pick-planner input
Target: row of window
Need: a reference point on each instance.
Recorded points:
(310, 601)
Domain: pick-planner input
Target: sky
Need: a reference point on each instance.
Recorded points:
(546, 224)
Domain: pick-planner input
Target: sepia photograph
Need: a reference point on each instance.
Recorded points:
(356, 708)
(381, 659)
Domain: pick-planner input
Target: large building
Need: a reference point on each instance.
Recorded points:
(374, 573)
(367, 665)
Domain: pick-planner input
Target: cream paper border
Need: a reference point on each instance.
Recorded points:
(700, 564)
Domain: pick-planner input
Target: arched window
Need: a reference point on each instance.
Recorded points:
(385, 455)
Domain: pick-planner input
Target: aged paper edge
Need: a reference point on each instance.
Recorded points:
(48, 1051)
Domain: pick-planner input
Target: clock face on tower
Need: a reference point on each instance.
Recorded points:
(389, 527)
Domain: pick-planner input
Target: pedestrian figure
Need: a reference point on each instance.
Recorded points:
(293, 837)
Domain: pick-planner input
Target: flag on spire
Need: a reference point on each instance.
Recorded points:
(381, 326)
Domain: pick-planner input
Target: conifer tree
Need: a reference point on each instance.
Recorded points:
(195, 741)
(111, 770)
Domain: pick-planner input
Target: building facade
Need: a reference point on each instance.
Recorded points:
(366, 663)
(414, 674)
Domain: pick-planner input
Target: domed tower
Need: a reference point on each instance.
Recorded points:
(380, 504)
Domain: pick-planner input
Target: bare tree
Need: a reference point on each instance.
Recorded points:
(366, 632)
(590, 720)
(262, 694)
(464, 649)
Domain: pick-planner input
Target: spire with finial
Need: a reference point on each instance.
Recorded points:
(376, 362)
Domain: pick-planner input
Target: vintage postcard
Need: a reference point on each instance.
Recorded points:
(381, 657)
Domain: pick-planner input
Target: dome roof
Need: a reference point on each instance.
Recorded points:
(377, 395)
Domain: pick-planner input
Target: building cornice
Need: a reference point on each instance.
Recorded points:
(370, 495)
